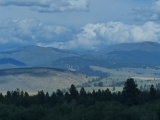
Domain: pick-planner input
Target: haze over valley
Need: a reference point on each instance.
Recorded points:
(31, 68)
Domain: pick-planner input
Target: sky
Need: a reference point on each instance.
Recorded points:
(78, 24)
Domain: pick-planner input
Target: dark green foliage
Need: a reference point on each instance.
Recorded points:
(41, 98)
(11, 112)
(152, 93)
(130, 92)
(73, 92)
(131, 104)
(53, 100)
(72, 111)
(83, 92)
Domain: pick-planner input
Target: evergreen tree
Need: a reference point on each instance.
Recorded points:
(152, 93)
(47, 98)
(8, 95)
(130, 92)
(53, 100)
(107, 94)
(41, 97)
(26, 94)
(1, 98)
(60, 97)
(83, 92)
(73, 92)
(67, 97)
(22, 94)
(26, 100)
(94, 93)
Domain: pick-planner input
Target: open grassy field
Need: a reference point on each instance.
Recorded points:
(37, 79)
(47, 79)
(138, 73)
(143, 77)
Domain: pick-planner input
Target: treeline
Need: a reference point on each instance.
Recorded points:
(130, 95)
(130, 104)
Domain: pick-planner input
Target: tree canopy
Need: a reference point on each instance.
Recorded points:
(130, 104)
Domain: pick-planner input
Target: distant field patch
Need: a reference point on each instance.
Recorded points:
(145, 78)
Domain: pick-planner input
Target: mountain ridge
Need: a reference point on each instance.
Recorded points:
(114, 56)
(142, 46)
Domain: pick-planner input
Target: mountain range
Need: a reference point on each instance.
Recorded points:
(137, 55)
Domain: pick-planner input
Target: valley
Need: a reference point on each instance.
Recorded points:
(115, 78)
(36, 68)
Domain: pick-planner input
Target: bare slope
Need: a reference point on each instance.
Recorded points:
(36, 79)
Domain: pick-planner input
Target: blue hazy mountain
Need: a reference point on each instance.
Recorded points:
(144, 54)
(132, 54)
(11, 61)
(34, 56)
(137, 55)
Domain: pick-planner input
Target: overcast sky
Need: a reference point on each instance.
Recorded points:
(78, 24)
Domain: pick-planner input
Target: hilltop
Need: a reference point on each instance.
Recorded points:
(36, 79)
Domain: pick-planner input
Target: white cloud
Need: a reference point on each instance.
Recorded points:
(30, 31)
(94, 36)
(49, 5)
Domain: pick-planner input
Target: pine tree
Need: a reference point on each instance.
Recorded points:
(47, 98)
(1, 98)
(130, 92)
(73, 92)
(41, 97)
(152, 93)
(53, 100)
(60, 96)
(83, 92)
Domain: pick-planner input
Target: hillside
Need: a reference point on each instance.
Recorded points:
(36, 79)
(133, 55)
(34, 56)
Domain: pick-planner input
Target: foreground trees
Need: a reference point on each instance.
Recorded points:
(71, 111)
(130, 104)
(130, 96)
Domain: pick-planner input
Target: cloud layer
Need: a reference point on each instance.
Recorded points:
(151, 13)
(49, 5)
(91, 36)
(94, 36)
(30, 31)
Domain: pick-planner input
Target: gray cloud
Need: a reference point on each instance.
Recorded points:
(31, 31)
(49, 5)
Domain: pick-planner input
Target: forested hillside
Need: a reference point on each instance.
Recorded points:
(130, 104)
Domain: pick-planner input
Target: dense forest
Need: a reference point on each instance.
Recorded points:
(130, 104)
